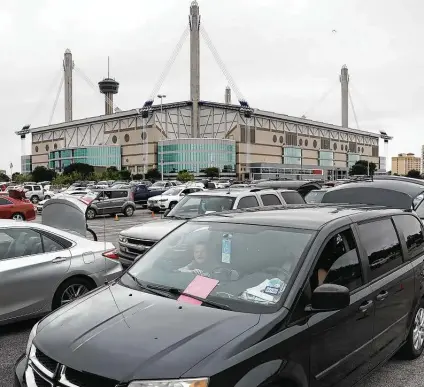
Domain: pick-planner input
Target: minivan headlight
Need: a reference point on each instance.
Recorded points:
(31, 339)
(171, 383)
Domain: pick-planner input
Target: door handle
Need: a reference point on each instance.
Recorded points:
(59, 259)
(382, 296)
(364, 307)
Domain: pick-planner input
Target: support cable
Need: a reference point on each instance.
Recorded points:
(221, 63)
(169, 63)
(353, 109)
(56, 99)
(321, 100)
(42, 100)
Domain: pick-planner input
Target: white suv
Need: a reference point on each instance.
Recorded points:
(35, 193)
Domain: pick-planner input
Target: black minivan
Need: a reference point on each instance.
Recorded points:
(312, 296)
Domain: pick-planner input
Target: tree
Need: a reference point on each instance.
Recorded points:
(414, 173)
(43, 174)
(4, 177)
(212, 172)
(185, 176)
(125, 175)
(85, 170)
(361, 168)
(16, 176)
(153, 174)
(138, 176)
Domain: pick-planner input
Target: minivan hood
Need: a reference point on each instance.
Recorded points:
(154, 230)
(124, 334)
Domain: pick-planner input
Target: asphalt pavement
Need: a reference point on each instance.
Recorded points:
(13, 338)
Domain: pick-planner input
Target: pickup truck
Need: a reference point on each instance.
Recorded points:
(142, 193)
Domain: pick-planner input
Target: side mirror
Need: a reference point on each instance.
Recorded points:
(329, 298)
(182, 194)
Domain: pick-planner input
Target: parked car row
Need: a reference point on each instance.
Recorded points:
(261, 295)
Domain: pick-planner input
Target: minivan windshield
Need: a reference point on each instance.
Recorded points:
(195, 205)
(250, 266)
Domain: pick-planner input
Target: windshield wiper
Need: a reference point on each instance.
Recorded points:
(147, 288)
(179, 292)
(171, 292)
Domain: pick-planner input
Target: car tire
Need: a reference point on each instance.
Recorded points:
(18, 216)
(47, 197)
(34, 199)
(70, 290)
(129, 211)
(91, 213)
(414, 345)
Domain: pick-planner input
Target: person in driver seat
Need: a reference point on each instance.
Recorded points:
(202, 263)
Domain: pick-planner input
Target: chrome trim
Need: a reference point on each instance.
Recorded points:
(30, 378)
(38, 366)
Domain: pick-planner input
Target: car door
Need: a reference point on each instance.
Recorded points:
(118, 199)
(30, 271)
(341, 341)
(392, 282)
(103, 202)
(6, 208)
(270, 199)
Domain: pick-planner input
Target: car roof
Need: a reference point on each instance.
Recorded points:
(289, 184)
(302, 216)
(232, 192)
(389, 193)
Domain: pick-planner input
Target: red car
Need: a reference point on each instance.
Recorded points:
(14, 205)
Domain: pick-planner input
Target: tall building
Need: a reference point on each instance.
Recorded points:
(422, 159)
(405, 162)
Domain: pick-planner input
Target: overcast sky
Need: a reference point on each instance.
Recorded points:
(283, 55)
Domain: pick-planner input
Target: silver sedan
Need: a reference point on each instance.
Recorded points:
(43, 268)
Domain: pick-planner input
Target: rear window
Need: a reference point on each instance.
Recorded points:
(314, 196)
(292, 197)
(195, 205)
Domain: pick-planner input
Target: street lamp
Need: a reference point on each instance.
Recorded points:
(161, 97)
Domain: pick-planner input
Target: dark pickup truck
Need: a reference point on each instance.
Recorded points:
(142, 193)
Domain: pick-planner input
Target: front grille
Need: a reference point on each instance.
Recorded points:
(141, 242)
(38, 375)
(40, 382)
(45, 361)
(82, 379)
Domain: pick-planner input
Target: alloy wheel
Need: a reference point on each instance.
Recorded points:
(17, 217)
(418, 332)
(73, 292)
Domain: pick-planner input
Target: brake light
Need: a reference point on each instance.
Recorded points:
(111, 254)
(132, 196)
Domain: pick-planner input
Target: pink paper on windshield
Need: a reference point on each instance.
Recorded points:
(200, 287)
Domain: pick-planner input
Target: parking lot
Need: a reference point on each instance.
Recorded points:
(13, 338)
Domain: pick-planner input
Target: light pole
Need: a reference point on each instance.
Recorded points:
(161, 97)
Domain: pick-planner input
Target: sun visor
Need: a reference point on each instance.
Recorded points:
(67, 214)
(370, 196)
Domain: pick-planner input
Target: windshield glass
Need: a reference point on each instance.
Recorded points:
(251, 265)
(195, 205)
(314, 196)
(172, 192)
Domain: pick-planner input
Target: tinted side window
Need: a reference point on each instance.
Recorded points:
(19, 242)
(339, 263)
(37, 188)
(248, 202)
(4, 202)
(292, 197)
(413, 234)
(28, 187)
(270, 200)
(119, 194)
(53, 244)
(382, 246)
